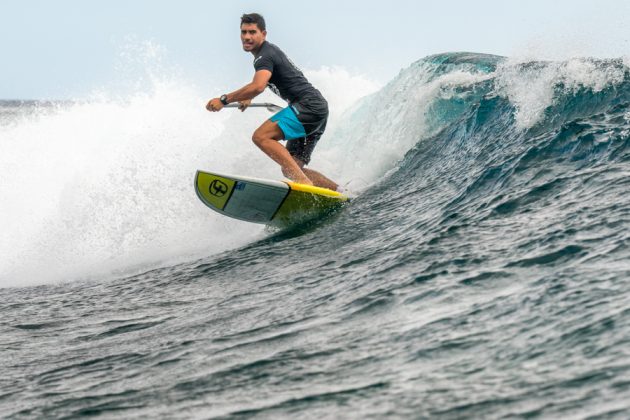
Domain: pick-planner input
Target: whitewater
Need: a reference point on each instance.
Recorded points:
(481, 271)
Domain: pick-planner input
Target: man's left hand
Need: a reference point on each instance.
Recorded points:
(242, 105)
(214, 105)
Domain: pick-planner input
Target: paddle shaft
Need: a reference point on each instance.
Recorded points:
(270, 107)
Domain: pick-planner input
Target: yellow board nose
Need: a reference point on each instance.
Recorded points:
(214, 190)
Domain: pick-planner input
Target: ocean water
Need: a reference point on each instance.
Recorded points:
(481, 271)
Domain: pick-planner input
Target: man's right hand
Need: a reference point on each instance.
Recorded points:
(214, 105)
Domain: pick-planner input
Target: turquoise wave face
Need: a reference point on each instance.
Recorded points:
(478, 100)
(528, 187)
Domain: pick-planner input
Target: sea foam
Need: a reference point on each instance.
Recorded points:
(105, 184)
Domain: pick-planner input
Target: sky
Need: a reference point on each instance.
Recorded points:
(66, 49)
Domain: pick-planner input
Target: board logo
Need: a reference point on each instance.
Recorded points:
(218, 188)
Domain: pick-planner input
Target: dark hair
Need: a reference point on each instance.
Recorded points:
(254, 18)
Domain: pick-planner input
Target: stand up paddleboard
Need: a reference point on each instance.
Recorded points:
(274, 203)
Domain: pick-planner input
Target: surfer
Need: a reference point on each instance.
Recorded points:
(301, 123)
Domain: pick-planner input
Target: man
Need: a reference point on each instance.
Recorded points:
(301, 123)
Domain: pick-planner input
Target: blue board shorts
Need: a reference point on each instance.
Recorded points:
(303, 123)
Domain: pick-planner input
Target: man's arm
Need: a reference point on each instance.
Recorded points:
(247, 92)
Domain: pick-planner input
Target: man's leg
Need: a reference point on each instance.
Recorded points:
(319, 180)
(266, 137)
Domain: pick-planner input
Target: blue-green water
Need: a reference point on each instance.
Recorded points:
(484, 273)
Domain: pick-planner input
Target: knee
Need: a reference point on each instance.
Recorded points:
(257, 138)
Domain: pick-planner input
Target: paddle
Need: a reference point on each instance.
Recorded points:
(270, 107)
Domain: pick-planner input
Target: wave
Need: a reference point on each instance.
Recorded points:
(442, 91)
(459, 138)
(481, 272)
(500, 165)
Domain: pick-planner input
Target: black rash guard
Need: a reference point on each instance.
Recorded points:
(287, 81)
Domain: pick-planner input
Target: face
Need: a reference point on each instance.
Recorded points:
(252, 37)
